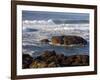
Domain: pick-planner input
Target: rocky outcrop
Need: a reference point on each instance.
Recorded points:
(52, 59)
(68, 40)
(76, 60)
(26, 60)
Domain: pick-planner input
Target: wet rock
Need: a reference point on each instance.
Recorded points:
(67, 61)
(60, 58)
(47, 54)
(52, 59)
(26, 60)
(37, 64)
(52, 64)
(39, 58)
(44, 41)
(68, 40)
(57, 40)
(76, 60)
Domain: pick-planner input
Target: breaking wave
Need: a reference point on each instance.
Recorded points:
(45, 28)
(51, 21)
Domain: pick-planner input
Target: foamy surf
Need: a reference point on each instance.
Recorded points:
(36, 30)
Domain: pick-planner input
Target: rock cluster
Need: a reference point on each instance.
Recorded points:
(26, 60)
(68, 40)
(52, 59)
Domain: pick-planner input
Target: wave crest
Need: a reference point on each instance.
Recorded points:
(50, 21)
(53, 21)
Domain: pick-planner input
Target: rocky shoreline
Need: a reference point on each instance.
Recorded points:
(49, 59)
(53, 59)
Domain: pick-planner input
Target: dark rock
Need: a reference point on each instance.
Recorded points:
(67, 61)
(47, 54)
(76, 60)
(68, 40)
(52, 59)
(39, 58)
(60, 58)
(52, 64)
(37, 64)
(85, 59)
(26, 60)
(45, 41)
(57, 40)
(81, 60)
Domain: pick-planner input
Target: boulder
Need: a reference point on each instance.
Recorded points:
(26, 60)
(68, 40)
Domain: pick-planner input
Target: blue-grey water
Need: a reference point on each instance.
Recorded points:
(36, 30)
(83, 50)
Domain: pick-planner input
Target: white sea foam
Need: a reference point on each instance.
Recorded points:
(33, 22)
(42, 29)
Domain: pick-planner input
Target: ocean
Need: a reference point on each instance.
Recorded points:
(34, 31)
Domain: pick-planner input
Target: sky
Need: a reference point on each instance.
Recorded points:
(42, 15)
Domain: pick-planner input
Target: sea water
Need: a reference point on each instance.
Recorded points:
(35, 30)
